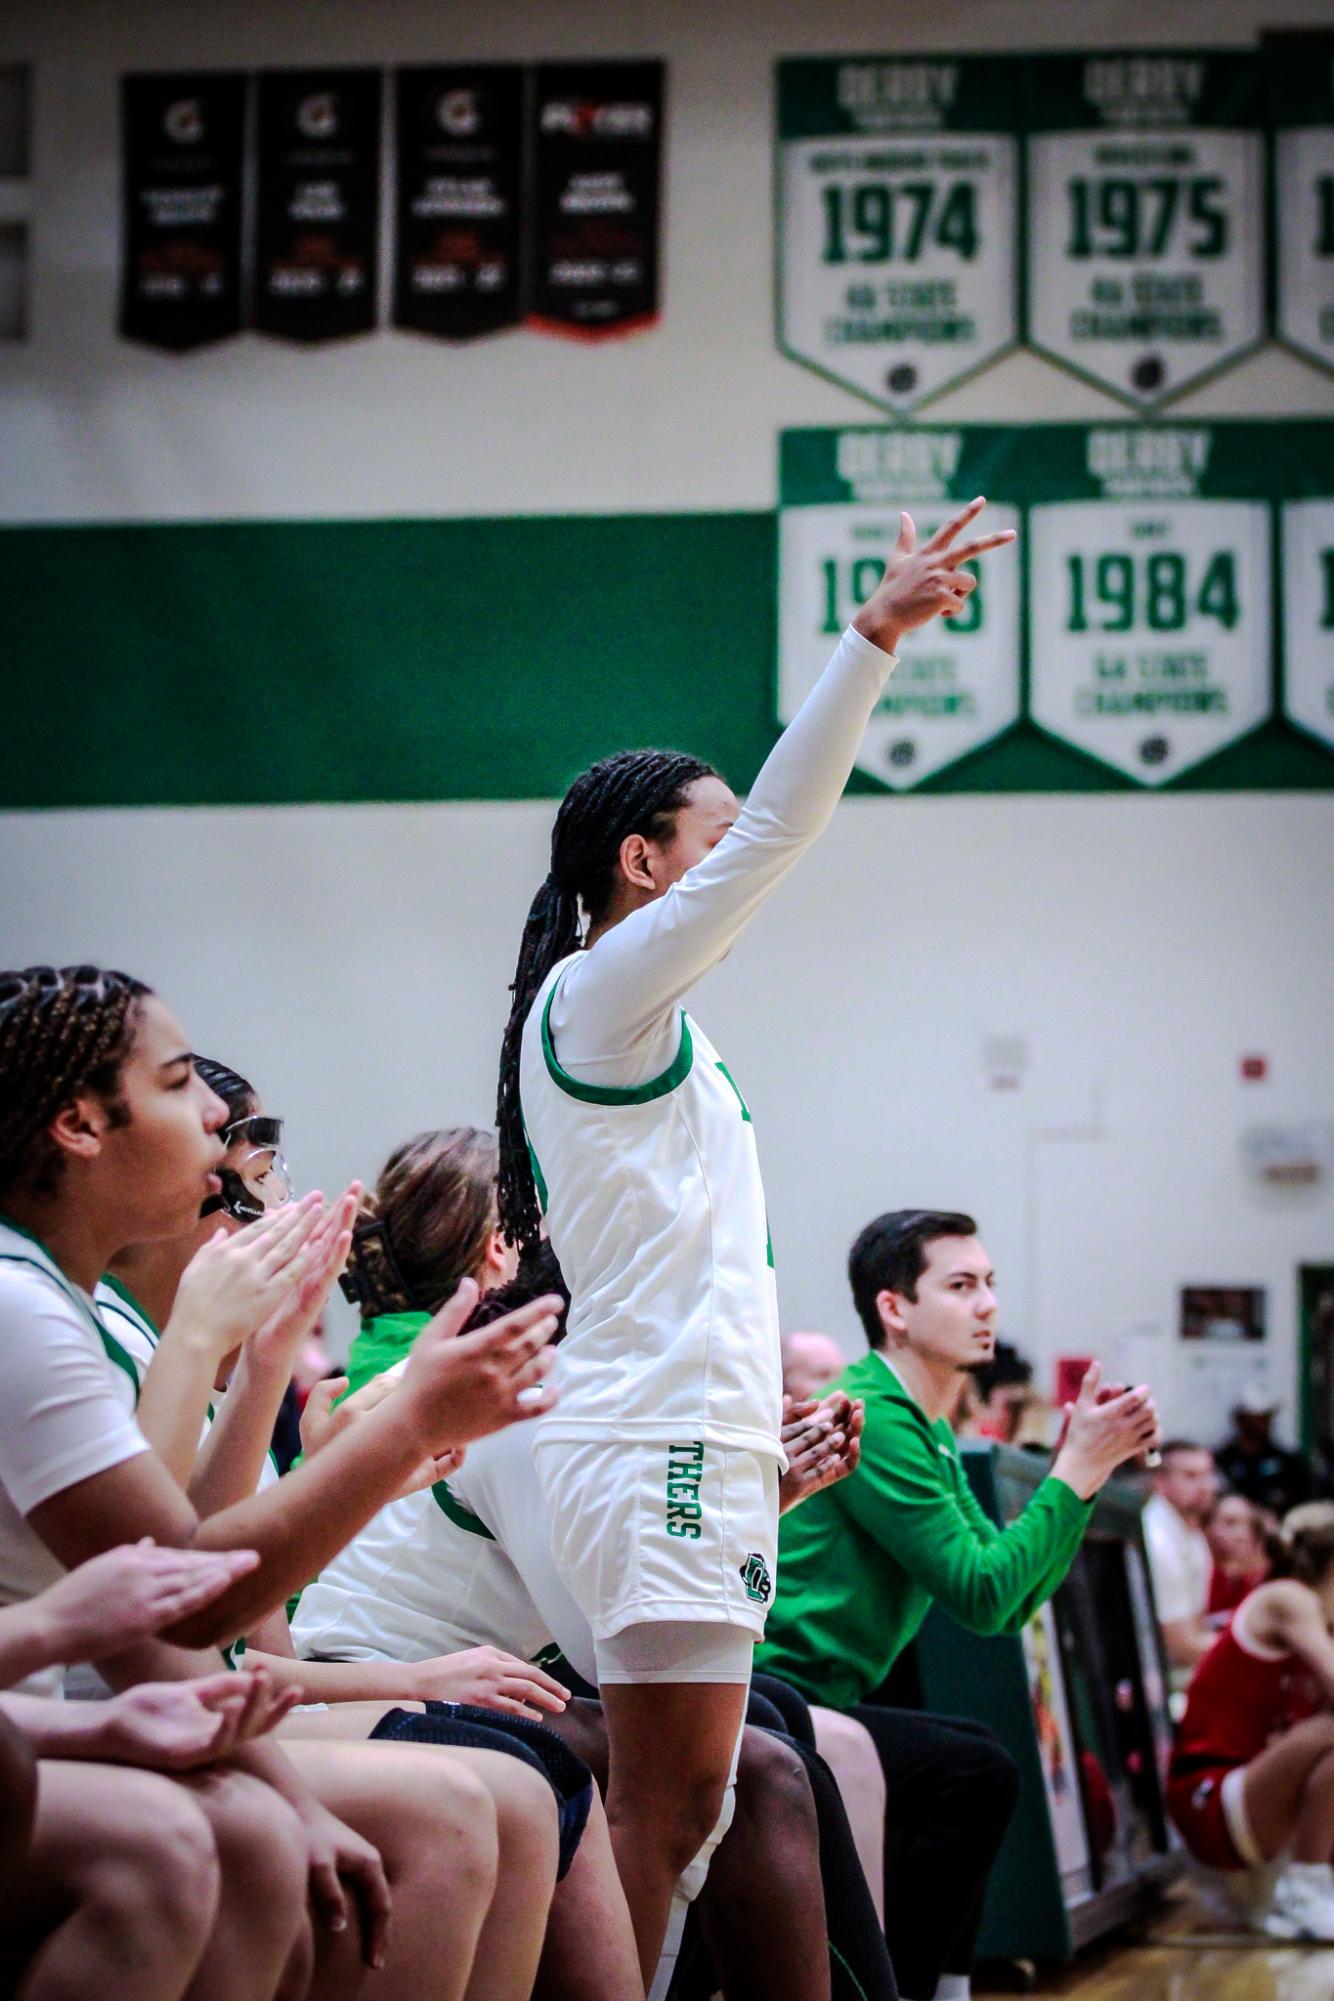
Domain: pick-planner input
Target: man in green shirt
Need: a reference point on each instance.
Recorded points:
(861, 1564)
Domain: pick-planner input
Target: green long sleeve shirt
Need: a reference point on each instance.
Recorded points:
(380, 1343)
(860, 1565)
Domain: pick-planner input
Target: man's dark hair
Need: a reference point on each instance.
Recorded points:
(1174, 1445)
(1006, 1369)
(890, 1256)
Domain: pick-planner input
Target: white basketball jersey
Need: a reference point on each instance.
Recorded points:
(654, 1203)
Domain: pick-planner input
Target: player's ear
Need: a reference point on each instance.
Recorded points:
(636, 860)
(77, 1127)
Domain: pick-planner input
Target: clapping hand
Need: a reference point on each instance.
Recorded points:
(823, 1443)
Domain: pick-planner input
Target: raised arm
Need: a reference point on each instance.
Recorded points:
(638, 970)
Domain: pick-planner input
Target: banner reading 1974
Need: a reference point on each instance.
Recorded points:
(898, 219)
(1300, 69)
(1145, 215)
(957, 682)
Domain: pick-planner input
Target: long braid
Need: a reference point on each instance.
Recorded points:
(635, 792)
(61, 1032)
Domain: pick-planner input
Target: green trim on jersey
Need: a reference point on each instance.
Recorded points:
(539, 1179)
(140, 1312)
(618, 1094)
(462, 1518)
(114, 1352)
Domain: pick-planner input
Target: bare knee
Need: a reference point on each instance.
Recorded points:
(442, 1809)
(772, 1789)
(261, 1853)
(160, 1876)
(678, 1822)
(526, 1824)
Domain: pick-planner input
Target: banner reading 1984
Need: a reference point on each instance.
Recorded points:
(1138, 623)
(1145, 215)
(897, 227)
(1300, 69)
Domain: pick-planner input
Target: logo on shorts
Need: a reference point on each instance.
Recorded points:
(755, 1576)
(1199, 1799)
(685, 1470)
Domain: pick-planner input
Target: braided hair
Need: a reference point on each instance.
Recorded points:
(635, 792)
(61, 1032)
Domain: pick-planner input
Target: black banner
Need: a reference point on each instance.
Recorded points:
(317, 203)
(598, 152)
(182, 148)
(459, 181)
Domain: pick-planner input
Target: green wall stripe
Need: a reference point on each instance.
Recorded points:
(271, 662)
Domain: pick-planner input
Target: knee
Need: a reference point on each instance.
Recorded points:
(261, 1851)
(162, 1876)
(526, 1822)
(993, 1782)
(687, 1819)
(449, 1810)
(772, 1787)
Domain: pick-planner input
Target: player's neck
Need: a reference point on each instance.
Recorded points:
(76, 1238)
(152, 1272)
(932, 1381)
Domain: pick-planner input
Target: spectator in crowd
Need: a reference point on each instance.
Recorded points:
(1180, 1559)
(861, 1564)
(1004, 1390)
(810, 1363)
(1252, 1461)
(1238, 1541)
(1252, 1772)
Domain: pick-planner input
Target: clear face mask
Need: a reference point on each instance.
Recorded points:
(255, 1178)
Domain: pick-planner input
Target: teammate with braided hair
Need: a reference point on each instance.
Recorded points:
(622, 1126)
(112, 1138)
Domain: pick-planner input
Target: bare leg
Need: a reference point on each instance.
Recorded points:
(1289, 1792)
(261, 1944)
(762, 1910)
(590, 1952)
(119, 1888)
(671, 1746)
(846, 1747)
(510, 1946)
(435, 1827)
(18, 1800)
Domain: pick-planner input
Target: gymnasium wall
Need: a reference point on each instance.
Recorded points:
(251, 592)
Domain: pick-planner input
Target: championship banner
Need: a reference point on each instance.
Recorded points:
(597, 153)
(459, 179)
(1145, 215)
(1308, 582)
(317, 203)
(840, 494)
(897, 222)
(182, 153)
(1300, 70)
(1150, 628)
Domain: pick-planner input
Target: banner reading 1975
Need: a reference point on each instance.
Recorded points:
(1137, 617)
(897, 221)
(1145, 215)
